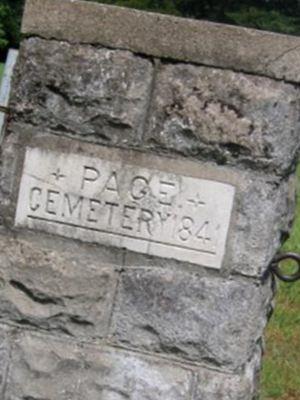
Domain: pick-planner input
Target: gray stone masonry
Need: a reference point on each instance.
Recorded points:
(99, 94)
(114, 97)
(161, 110)
(263, 208)
(62, 291)
(227, 116)
(190, 316)
(162, 36)
(112, 374)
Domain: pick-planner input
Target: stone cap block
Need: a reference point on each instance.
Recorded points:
(224, 46)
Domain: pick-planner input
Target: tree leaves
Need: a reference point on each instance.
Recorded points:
(3, 15)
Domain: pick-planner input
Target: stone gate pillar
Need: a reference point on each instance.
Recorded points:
(147, 181)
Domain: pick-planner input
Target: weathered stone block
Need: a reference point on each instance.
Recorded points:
(86, 92)
(213, 385)
(8, 175)
(263, 203)
(167, 328)
(165, 36)
(57, 287)
(44, 368)
(264, 214)
(4, 357)
(226, 116)
(262, 217)
(213, 320)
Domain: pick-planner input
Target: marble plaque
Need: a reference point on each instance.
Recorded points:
(120, 204)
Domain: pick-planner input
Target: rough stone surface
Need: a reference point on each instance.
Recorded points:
(4, 358)
(43, 368)
(88, 322)
(61, 290)
(231, 117)
(264, 214)
(212, 385)
(82, 91)
(8, 175)
(262, 218)
(199, 318)
(263, 205)
(165, 36)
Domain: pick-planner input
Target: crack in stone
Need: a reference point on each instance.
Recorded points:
(282, 55)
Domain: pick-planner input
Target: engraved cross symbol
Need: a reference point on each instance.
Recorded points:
(58, 175)
(197, 202)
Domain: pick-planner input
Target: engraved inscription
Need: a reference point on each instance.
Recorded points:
(114, 203)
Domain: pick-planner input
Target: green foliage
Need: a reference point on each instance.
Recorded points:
(275, 15)
(264, 19)
(10, 21)
(3, 37)
(281, 368)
